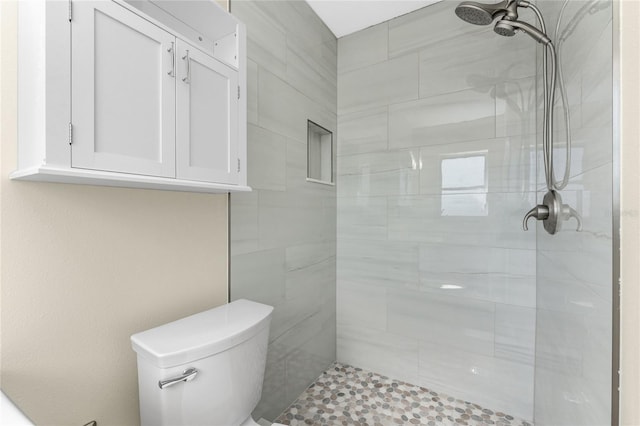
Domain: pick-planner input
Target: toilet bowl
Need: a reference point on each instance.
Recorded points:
(206, 369)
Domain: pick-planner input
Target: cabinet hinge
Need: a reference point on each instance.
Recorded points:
(70, 133)
(238, 92)
(238, 165)
(70, 11)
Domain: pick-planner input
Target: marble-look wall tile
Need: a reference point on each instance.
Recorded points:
(259, 276)
(561, 292)
(384, 263)
(272, 206)
(363, 48)
(596, 82)
(378, 162)
(293, 218)
(427, 27)
(274, 385)
(308, 254)
(388, 82)
(570, 400)
(243, 231)
(303, 75)
(266, 157)
(307, 35)
(450, 321)
(441, 71)
(420, 219)
(500, 275)
(296, 167)
(285, 110)
(305, 348)
(364, 131)
(310, 280)
(389, 354)
(363, 305)
(515, 107)
(379, 173)
(319, 53)
(503, 385)
(252, 92)
(515, 334)
(362, 218)
(453, 117)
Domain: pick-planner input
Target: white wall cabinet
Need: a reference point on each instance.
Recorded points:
(207, 96)
(149, 100)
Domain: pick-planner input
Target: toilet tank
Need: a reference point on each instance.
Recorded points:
(227, 346)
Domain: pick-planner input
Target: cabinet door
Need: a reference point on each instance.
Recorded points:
(123, 91)
(207, 118)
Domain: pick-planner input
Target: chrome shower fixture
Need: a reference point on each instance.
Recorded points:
(484, 14)
(506, 14)
(552, 212)
(508, 28)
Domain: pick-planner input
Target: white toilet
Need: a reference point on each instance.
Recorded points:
(206, 369)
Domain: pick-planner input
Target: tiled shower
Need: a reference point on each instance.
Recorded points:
(435, 275)
(415, 265)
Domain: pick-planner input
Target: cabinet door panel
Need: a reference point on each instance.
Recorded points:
(123, 97)
(207, 126)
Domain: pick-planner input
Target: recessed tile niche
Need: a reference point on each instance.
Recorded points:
(319, 154)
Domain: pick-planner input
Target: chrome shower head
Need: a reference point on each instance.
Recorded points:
(484, 14)
(504, 29)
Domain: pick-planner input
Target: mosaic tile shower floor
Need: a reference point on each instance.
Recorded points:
(345, 395)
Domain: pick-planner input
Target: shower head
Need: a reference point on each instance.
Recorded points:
(484, 14)
(508, 28)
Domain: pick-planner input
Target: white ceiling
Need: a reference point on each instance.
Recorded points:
(344, 17)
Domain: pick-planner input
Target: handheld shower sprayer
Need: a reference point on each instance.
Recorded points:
(508, 28)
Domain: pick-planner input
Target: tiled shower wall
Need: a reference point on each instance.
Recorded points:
(436, 169)
(573, 332)
(283, 234)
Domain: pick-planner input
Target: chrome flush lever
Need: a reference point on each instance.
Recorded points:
(552, 212)
(187, 375)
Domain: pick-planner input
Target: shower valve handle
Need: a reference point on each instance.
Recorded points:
(540, 212)
(552, 212)
(570, 212)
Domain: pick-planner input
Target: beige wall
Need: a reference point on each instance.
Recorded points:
(630, 211)
(83, 268)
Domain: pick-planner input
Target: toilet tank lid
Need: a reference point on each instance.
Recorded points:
(203, 334)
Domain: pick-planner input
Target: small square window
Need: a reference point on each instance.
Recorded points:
(319, 154)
